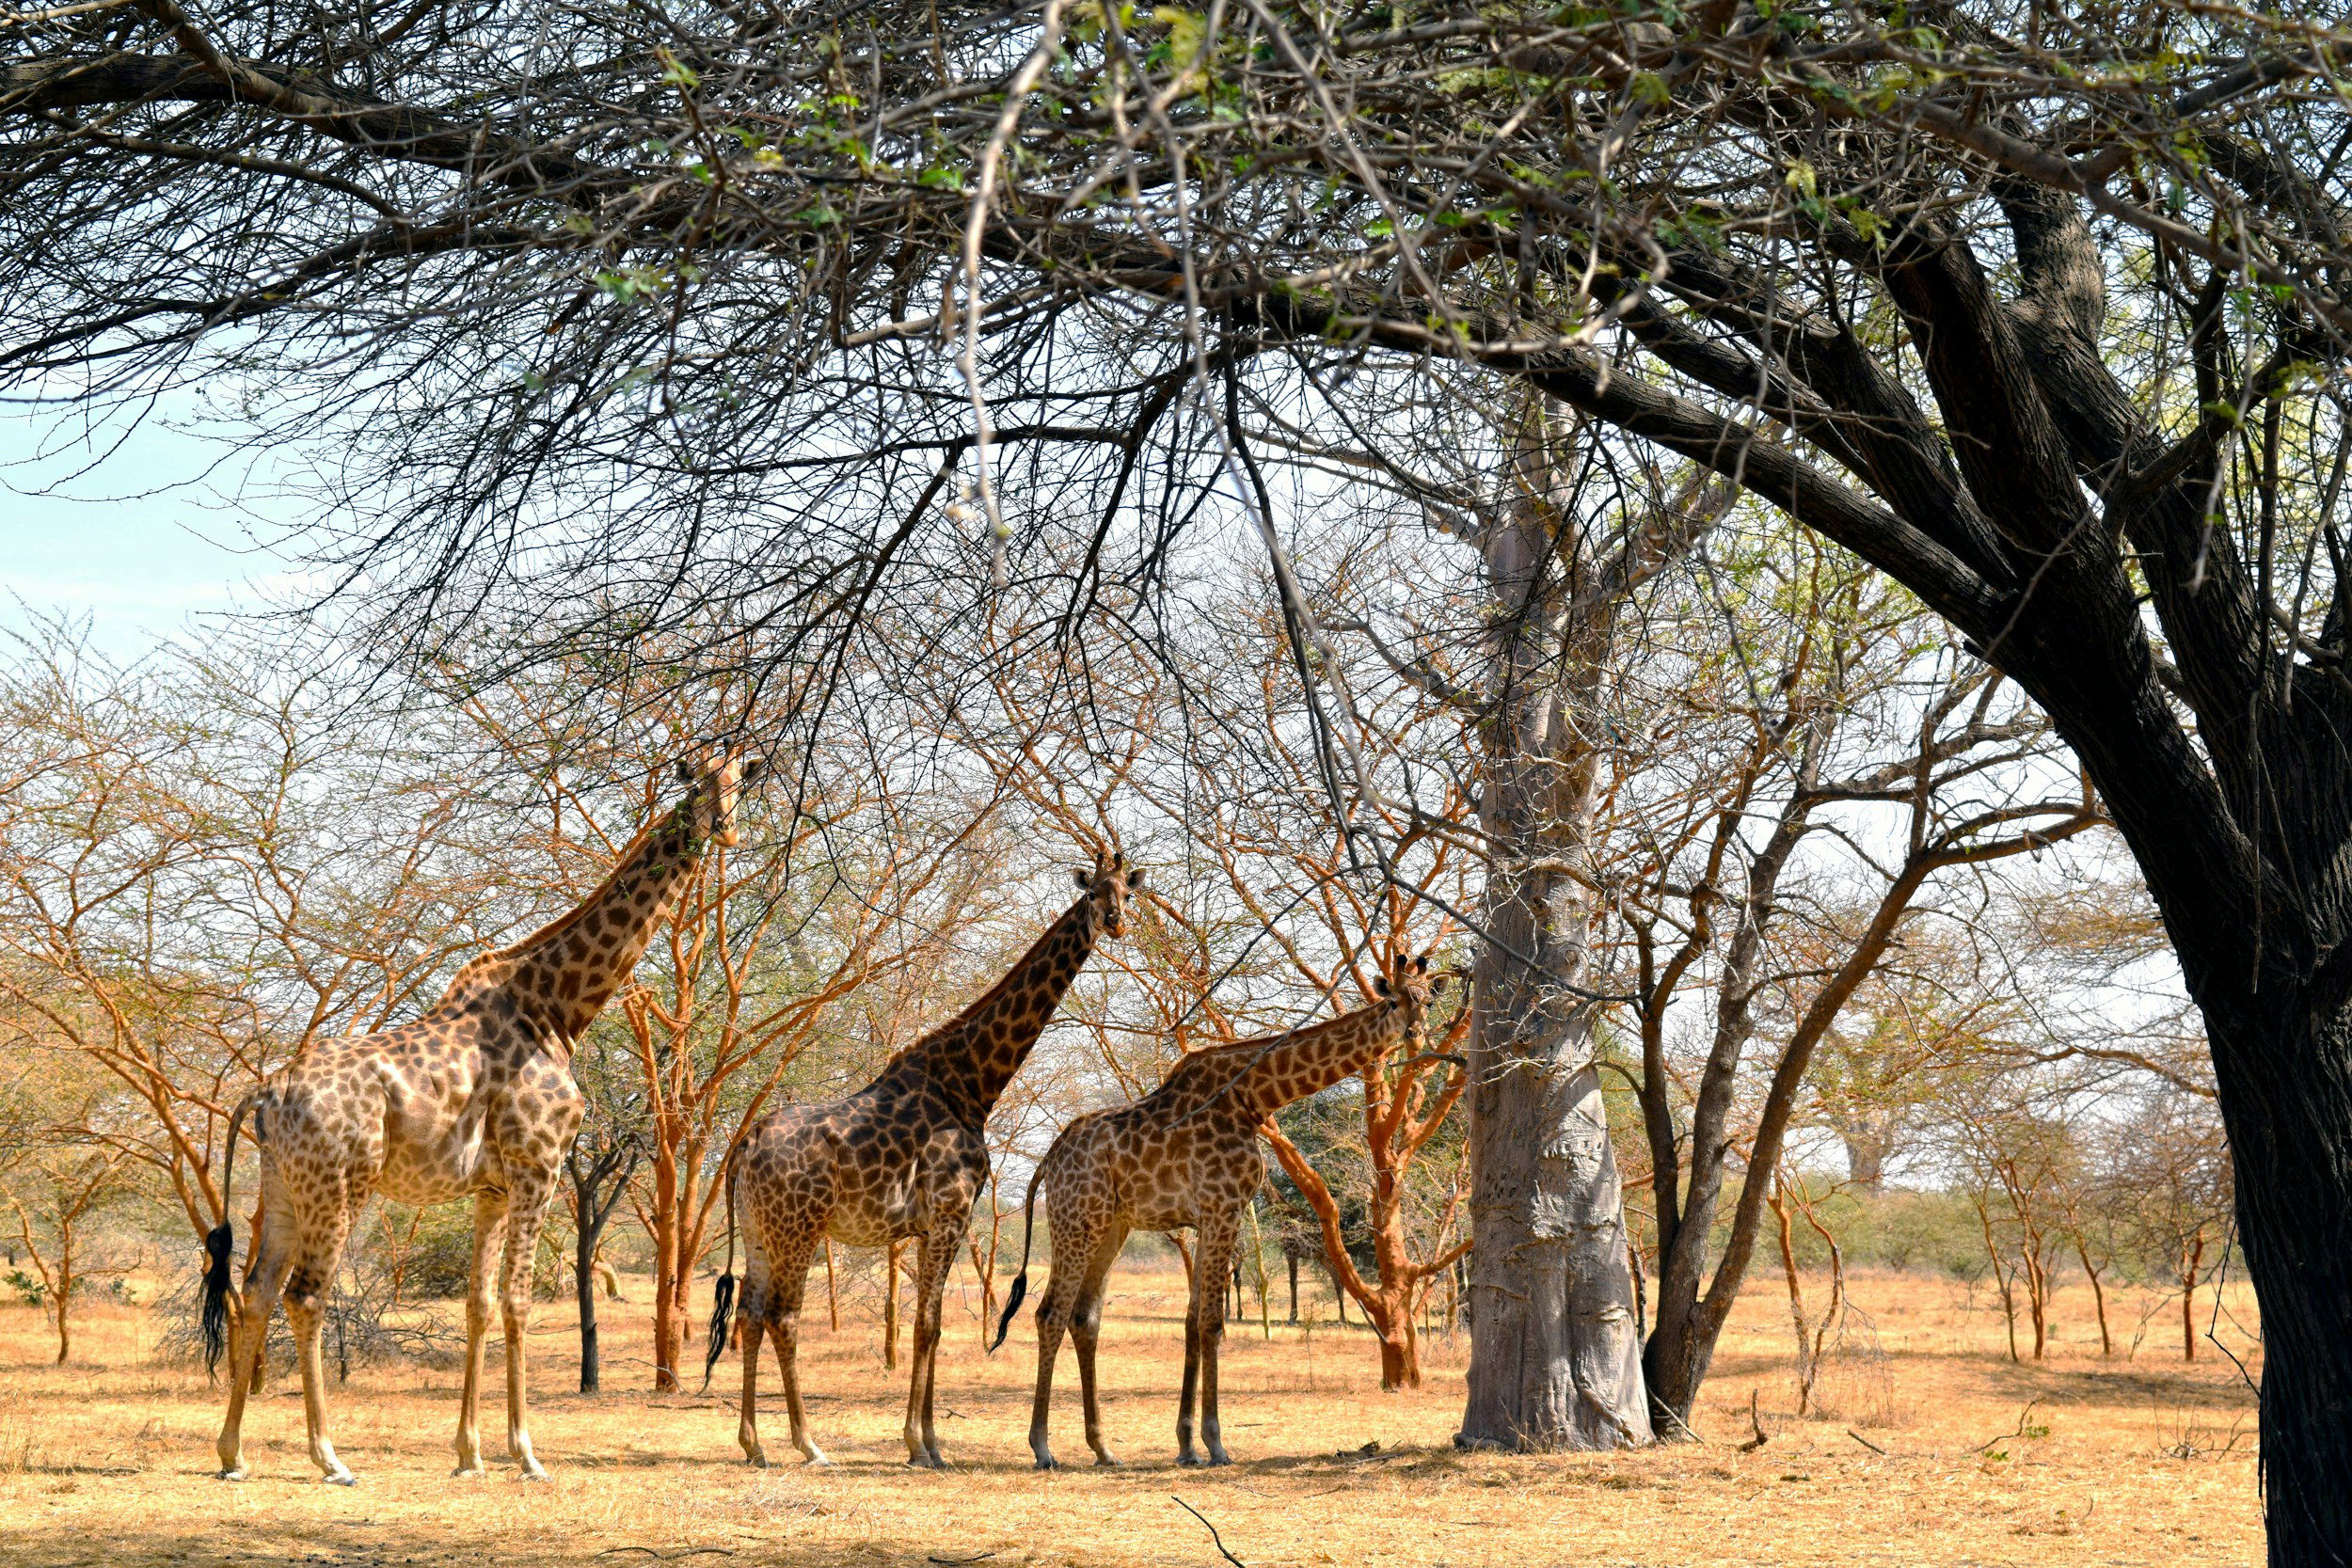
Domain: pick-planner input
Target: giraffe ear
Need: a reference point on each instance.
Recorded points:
(1420, 965)
(685, 771)
(754, 768)
(1083, 880)
(1134, 879)
(1380, 987)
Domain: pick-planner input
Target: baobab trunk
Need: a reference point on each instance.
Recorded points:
(1555, 1361)
(1555, 1354)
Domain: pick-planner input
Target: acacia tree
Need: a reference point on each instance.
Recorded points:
(73, 1169)
(198, 879)
(2041, 313)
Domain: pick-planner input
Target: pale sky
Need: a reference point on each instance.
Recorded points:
(143, 543)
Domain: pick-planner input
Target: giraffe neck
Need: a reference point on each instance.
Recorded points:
(973, 1056)
(1286, 1067)
(561, 974)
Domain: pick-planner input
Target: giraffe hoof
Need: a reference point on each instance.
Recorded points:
(1190, 1461)
(1047, 1461)
(468, 1472)
(536, 1472)
(926, 1462)
(234, 1472)
(1109, 1461)
(339, 1477)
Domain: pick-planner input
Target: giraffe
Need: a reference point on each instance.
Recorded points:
(903, 1157)
(1185, 1154)
(476, 1097)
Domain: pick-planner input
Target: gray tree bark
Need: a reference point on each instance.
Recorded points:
(1555, 1346)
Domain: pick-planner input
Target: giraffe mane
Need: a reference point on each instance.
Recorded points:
(478, 968)
(980, 1004)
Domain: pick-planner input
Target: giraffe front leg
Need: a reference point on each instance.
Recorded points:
(489, 1235)
(1185, 1454)
(526, 1206)
(934, 1255)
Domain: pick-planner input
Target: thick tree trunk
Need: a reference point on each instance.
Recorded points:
(1555, 1354)
(2286, 1093)
(1555, 1361)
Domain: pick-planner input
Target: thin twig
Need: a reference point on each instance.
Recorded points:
(1863, 1441)
(1218, 1540)
(1755, 1422)
(665, 1556)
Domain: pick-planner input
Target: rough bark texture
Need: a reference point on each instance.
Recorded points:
(1555, 1352)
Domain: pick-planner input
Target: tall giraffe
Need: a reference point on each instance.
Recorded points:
(903, 1157)
(1185, 1154)
(476, 1097)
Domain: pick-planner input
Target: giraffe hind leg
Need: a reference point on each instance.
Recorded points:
(1054, 1307)
(306, 1314)
(787, 1283)
(248, 1332)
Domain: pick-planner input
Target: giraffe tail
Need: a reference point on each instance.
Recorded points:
(1028, 1230)
(723, 1293)
(219, 1243)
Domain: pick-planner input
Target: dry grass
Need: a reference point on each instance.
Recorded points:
(108, 1461)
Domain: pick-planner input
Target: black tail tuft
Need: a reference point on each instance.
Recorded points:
(1013, 1304)
(213, 1316)
(722, 1318)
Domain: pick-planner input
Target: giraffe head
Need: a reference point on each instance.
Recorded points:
(1108, 887)
(1411, 986)
(718, 774)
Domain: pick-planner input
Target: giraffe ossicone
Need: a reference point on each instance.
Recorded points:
(1184, 1155)
(473, 1099)
(905, 1157)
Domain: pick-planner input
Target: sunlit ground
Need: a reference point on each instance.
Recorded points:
(108, 1461)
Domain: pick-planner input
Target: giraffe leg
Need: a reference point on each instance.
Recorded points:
(489, 1235)
(1213, 1263)
(751, 1327)
(787, 1282)
(1086, 1330)
(1054, 1309)
(527, 1207)
(306, 1314)
(934, 1254)
(1185, 1454)
(248, 1335)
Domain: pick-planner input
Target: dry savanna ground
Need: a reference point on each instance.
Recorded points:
(108, 1461)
